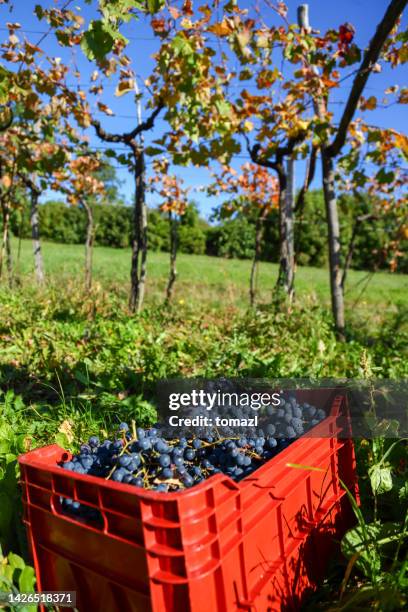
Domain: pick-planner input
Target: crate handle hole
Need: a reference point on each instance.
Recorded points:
(78, 511)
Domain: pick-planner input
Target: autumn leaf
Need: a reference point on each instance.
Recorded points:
(401, 141)
(222, 28)
(66, 429)
(124, 87)
(174, 12)
(105, 109)
(403, 97)
(369, 103)
(187, 8)
(159, 25)
(6, 180)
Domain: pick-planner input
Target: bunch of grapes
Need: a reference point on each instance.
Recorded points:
(144, 459)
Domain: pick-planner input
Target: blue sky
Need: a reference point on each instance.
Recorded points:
(324, 14)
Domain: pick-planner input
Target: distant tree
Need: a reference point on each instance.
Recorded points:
(175, 205)
(256, 195)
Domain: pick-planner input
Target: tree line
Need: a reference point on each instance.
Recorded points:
(232, 238)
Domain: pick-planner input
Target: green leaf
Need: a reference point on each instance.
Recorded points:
(154, 6)
(16, 561)
(182, 46)
(26, 581)
(380, 478)
(5, 446)
(4, 85)
(39, 11)
(403, 492)
(355, 542)
(153, 151)
(61, 439)
(110, 153)
(383, 176)
(223, 107)
(97, 42)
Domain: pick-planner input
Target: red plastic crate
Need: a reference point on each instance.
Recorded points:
(257, 545)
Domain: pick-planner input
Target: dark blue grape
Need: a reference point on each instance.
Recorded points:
(119, 474)
(144, 444)
(93, 441)
(311, 411)
(178, 461)
(123, 427)
(125, 460)
(161, 446)
(270, 429)
(189, 454)
(86, 461)
(187, 480)
(164, 460)
(167, 473)
(137, 482)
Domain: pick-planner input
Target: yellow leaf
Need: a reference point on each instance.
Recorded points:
(401, 141)
(124, 87)
(248, 126)
(263, 41)
(66, 428)
(221, 29)
(403, 97)
(6, 180)
(369, 104)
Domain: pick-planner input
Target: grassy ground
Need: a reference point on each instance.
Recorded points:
(214, 280)
(73, 364)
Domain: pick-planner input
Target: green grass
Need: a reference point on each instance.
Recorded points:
(74, 364)
(214, 280)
